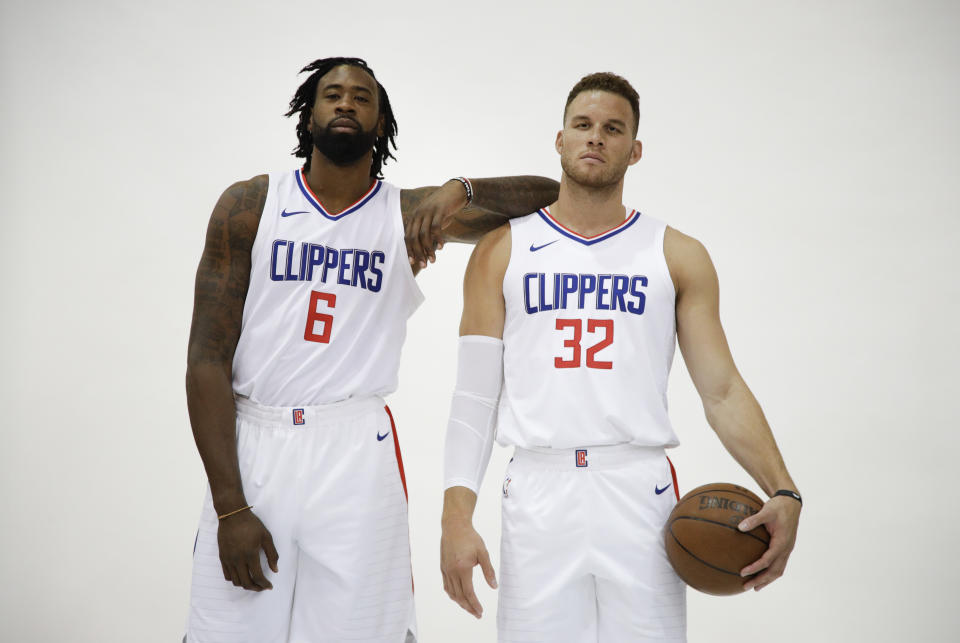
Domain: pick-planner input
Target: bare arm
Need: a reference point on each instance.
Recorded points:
(433, 215)
(221, 288)
(461, 547)
(730, 407)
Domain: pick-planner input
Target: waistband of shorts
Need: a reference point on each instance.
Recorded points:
(589, 457)
(306, 416)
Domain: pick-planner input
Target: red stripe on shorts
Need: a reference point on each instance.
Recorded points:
(403, 478)
(396, 445)
(673, 472)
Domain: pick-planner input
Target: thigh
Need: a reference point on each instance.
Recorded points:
(545, 592)
(354, 579)
(637, 612)
(220, 612)
(639, 596)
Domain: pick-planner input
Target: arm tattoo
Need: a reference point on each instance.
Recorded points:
(494, 202)
(497, 200)
(472, 223)
(514, 196)
(224, 272)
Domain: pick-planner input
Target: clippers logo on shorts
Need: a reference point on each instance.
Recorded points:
(298, 416)
(581, 457)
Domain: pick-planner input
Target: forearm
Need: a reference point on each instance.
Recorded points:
(514, 196)
(496, 200)
(739, 422)
(213, 418)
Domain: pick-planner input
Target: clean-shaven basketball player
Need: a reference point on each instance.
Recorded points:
(576, 309)
(302, 297)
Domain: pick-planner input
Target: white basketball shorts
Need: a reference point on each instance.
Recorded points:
(328, 483)
(582, 557)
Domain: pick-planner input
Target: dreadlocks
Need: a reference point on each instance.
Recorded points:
(305, 96)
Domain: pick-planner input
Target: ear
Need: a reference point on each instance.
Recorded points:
(381, 125)
(559, 142)
(636, 152)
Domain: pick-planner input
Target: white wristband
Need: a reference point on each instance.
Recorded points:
(473, 411)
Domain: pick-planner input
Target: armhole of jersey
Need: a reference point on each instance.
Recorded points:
(504, 402)
(514, 224)
(662, 234)
(271, 199)
(415, 295)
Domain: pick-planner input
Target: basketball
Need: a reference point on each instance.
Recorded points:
(703, 543)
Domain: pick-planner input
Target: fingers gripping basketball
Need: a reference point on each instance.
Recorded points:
(703, 541)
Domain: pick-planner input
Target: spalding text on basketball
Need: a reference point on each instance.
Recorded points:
(716, 502)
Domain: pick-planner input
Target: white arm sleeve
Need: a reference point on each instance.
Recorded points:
(473, 412)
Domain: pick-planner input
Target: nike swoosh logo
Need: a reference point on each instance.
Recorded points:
(381, 437)
(534, 248)
(290, 214)
(659, 490)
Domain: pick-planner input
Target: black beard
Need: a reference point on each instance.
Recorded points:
(341, 148)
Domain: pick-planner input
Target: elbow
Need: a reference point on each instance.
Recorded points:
(193, 367)
(719, 397)
(204, 372)
(719, 393)
(191, 382)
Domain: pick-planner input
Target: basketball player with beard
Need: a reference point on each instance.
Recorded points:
(302, 296)
(576, 310)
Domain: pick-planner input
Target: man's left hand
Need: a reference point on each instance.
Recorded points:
(781, 516)
(424, 230)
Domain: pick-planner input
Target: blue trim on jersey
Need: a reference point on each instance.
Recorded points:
(592, 240)
(319, 206)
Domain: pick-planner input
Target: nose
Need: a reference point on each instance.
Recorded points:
(596, 137)
(345, 106)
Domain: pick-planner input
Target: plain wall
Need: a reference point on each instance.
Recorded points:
(812, 147)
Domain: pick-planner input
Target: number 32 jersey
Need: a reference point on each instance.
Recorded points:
(329, 296)
(589, 336)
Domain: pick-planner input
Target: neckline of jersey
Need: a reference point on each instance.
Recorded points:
(597, 238)
(315, 201)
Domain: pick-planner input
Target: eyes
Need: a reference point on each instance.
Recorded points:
(334, 96)
(583, 125)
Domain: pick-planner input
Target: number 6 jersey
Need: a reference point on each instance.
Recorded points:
(329, 297)
(588, 337)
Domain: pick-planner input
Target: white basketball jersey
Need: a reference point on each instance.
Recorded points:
(329, 297)
(589, 336)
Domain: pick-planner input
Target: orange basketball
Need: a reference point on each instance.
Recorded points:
(703, 543)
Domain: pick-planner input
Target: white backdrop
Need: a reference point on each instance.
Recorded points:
(811, 146)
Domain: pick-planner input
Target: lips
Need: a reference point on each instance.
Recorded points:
(344, 123)
(592, 157)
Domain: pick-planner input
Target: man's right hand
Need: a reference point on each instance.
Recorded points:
(240, 538)
(461, 549)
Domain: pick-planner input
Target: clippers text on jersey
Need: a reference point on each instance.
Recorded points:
(542, 292)
(292, 261)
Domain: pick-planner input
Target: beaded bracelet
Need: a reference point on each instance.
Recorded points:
(466, 185)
